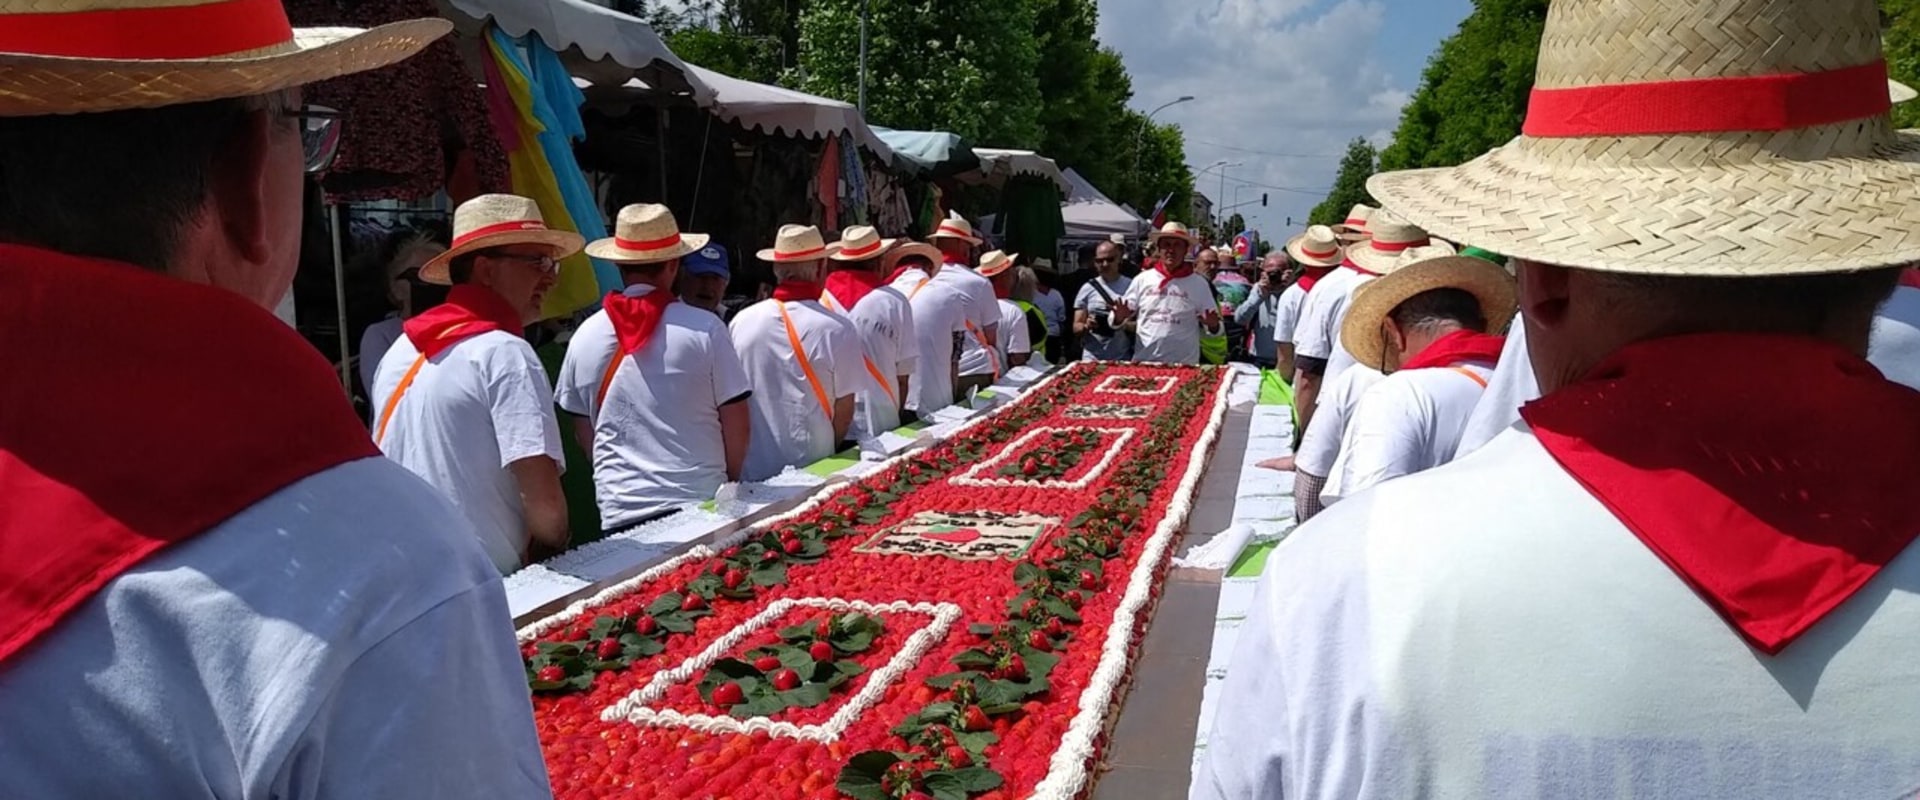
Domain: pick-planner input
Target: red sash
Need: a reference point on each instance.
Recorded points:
(140, 411)
(1773, 474)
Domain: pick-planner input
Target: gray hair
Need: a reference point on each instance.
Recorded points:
(1026, 283)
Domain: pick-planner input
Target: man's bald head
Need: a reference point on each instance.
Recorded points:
(1106, 259)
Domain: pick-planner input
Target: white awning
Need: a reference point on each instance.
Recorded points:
(996, 166)
(604, 37)
(771, 109)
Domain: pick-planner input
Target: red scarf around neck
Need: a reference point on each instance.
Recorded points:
(796, 291)
(1772, 474)
(469, 311)
(635, 319)
(1360, 269)
(1312, 276)
(171, 408)
(1910, 278)
(1457, 347)
(1160, 266)
(902, 271)
(849, 286)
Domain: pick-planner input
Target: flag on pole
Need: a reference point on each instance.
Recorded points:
(1160, 211)
(1243, 246)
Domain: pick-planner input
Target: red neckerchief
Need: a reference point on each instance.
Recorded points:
(636, 318)
(469, 311)
(796, 291)
(1003, 290)
(1348, 263)
(229, 406)
(1910, 278)
(1160, 266)
(1311, 277)
(1457, 347)
(902, 271)
(1773, 474)
(848, 286)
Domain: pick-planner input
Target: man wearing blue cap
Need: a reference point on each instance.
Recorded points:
(703, 278)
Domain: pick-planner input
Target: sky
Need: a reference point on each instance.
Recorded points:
(1279, 86)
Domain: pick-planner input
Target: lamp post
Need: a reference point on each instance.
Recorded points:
(1223, 165)
(863, 56)
(1140, 137)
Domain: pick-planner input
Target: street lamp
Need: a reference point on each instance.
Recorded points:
(1223, 166)
(1142, 135)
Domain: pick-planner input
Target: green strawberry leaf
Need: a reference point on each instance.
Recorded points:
(949, 679)
(860, 778)
(1026, 573)
(806, 695)
(772, 574)
(665, 604)
(675, 622)
(976, 659)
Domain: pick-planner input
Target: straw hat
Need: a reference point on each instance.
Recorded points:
(497, 220)
(72, 56)
(1173, 229)
(996, 262)
(905, 249)
(1319, 246)
(954, 227)
(1391, 237)
(1733, 138)
(860, 243)
(797, 243)
(646, 233)
(1419, 270)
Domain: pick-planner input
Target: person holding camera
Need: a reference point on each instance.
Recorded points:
(1271, 306)
(1100, 340)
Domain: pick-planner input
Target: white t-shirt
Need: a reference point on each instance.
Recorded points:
(374, 343)
(657, 444)
(1168, 314)
(1489, 630)
(939, 325)
(1287, 316)
(1895, 344)
(883, 320)
(983, 312)
(1317, 335)
(1320, 445)
(479, 406)
(790, 428)
(1119, 346)
(1513, 385)
(1408, 422)
(345, 637)
(1014, 337)
(1052, 307)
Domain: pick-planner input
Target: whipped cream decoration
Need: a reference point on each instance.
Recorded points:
(1112, 441)
(579, 608)
(1067, 773)
(634, 708)
(1162, 384)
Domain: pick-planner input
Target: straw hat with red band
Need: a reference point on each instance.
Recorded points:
(860, 243)
(646, 233)
(498, 220)
(904, 250)
(953, 227)
(1391, 237)
(73, 56)
(1355, 227)
(1733, 138)
(798, 243)
(1174, 230)
(996, 262)
(1417, 271)
(1319, 246)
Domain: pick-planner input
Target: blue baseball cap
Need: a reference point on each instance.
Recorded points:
(709, 260)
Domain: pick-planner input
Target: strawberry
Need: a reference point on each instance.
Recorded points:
(551, 673)
(786, 679)
(731, 553)
(1028, 468)
(577, 634)
(609, 649)
(729, 694)
(973, 719)
(529, 651)
(1088, 581)
(1016, 669)
(958, 757)
(766, 663)
(1050, 462)
(824, 630)
(1055, 627)
(919, 796)
(1038, 640)
(734, 578)
(646, 626)
(791, 546)
(1074, 600)
(1030, 608)
(769, 556)
(693, 602)
(897, 777)
(821, 651)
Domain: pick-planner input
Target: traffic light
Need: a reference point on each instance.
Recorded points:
(1263, 199)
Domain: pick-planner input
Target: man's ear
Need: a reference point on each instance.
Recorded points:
(1543, 293)
(238, 185)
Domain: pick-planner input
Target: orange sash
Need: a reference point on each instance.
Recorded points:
(406, 381)
(1471, 375)
(806, 364)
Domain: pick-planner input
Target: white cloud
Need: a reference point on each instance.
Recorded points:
(1282, 76)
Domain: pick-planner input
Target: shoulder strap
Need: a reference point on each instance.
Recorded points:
(916, 289)
(386, 414)
(885, 384)
(606, 380)
(806, 364)
(1102, 289)
(1471, 375)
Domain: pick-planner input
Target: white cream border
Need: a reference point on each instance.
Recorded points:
(1167, 384)
(1007, 452)
(634, 707)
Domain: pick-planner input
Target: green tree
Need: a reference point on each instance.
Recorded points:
(1349, 187)
(1473, 95)
(1902, 37)
(972, 68)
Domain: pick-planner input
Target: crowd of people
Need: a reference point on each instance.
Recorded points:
(1657, 541)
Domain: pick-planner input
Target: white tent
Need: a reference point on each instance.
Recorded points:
(1089, 214)
(771, 109)
(616, 47)
(996, 166)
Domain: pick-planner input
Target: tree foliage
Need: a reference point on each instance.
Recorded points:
(1473, 95)
(1902, 37)
(1349, 187)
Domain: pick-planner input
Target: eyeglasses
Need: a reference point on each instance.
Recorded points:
(319, 135)
(1105, 260)
(546, 264)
